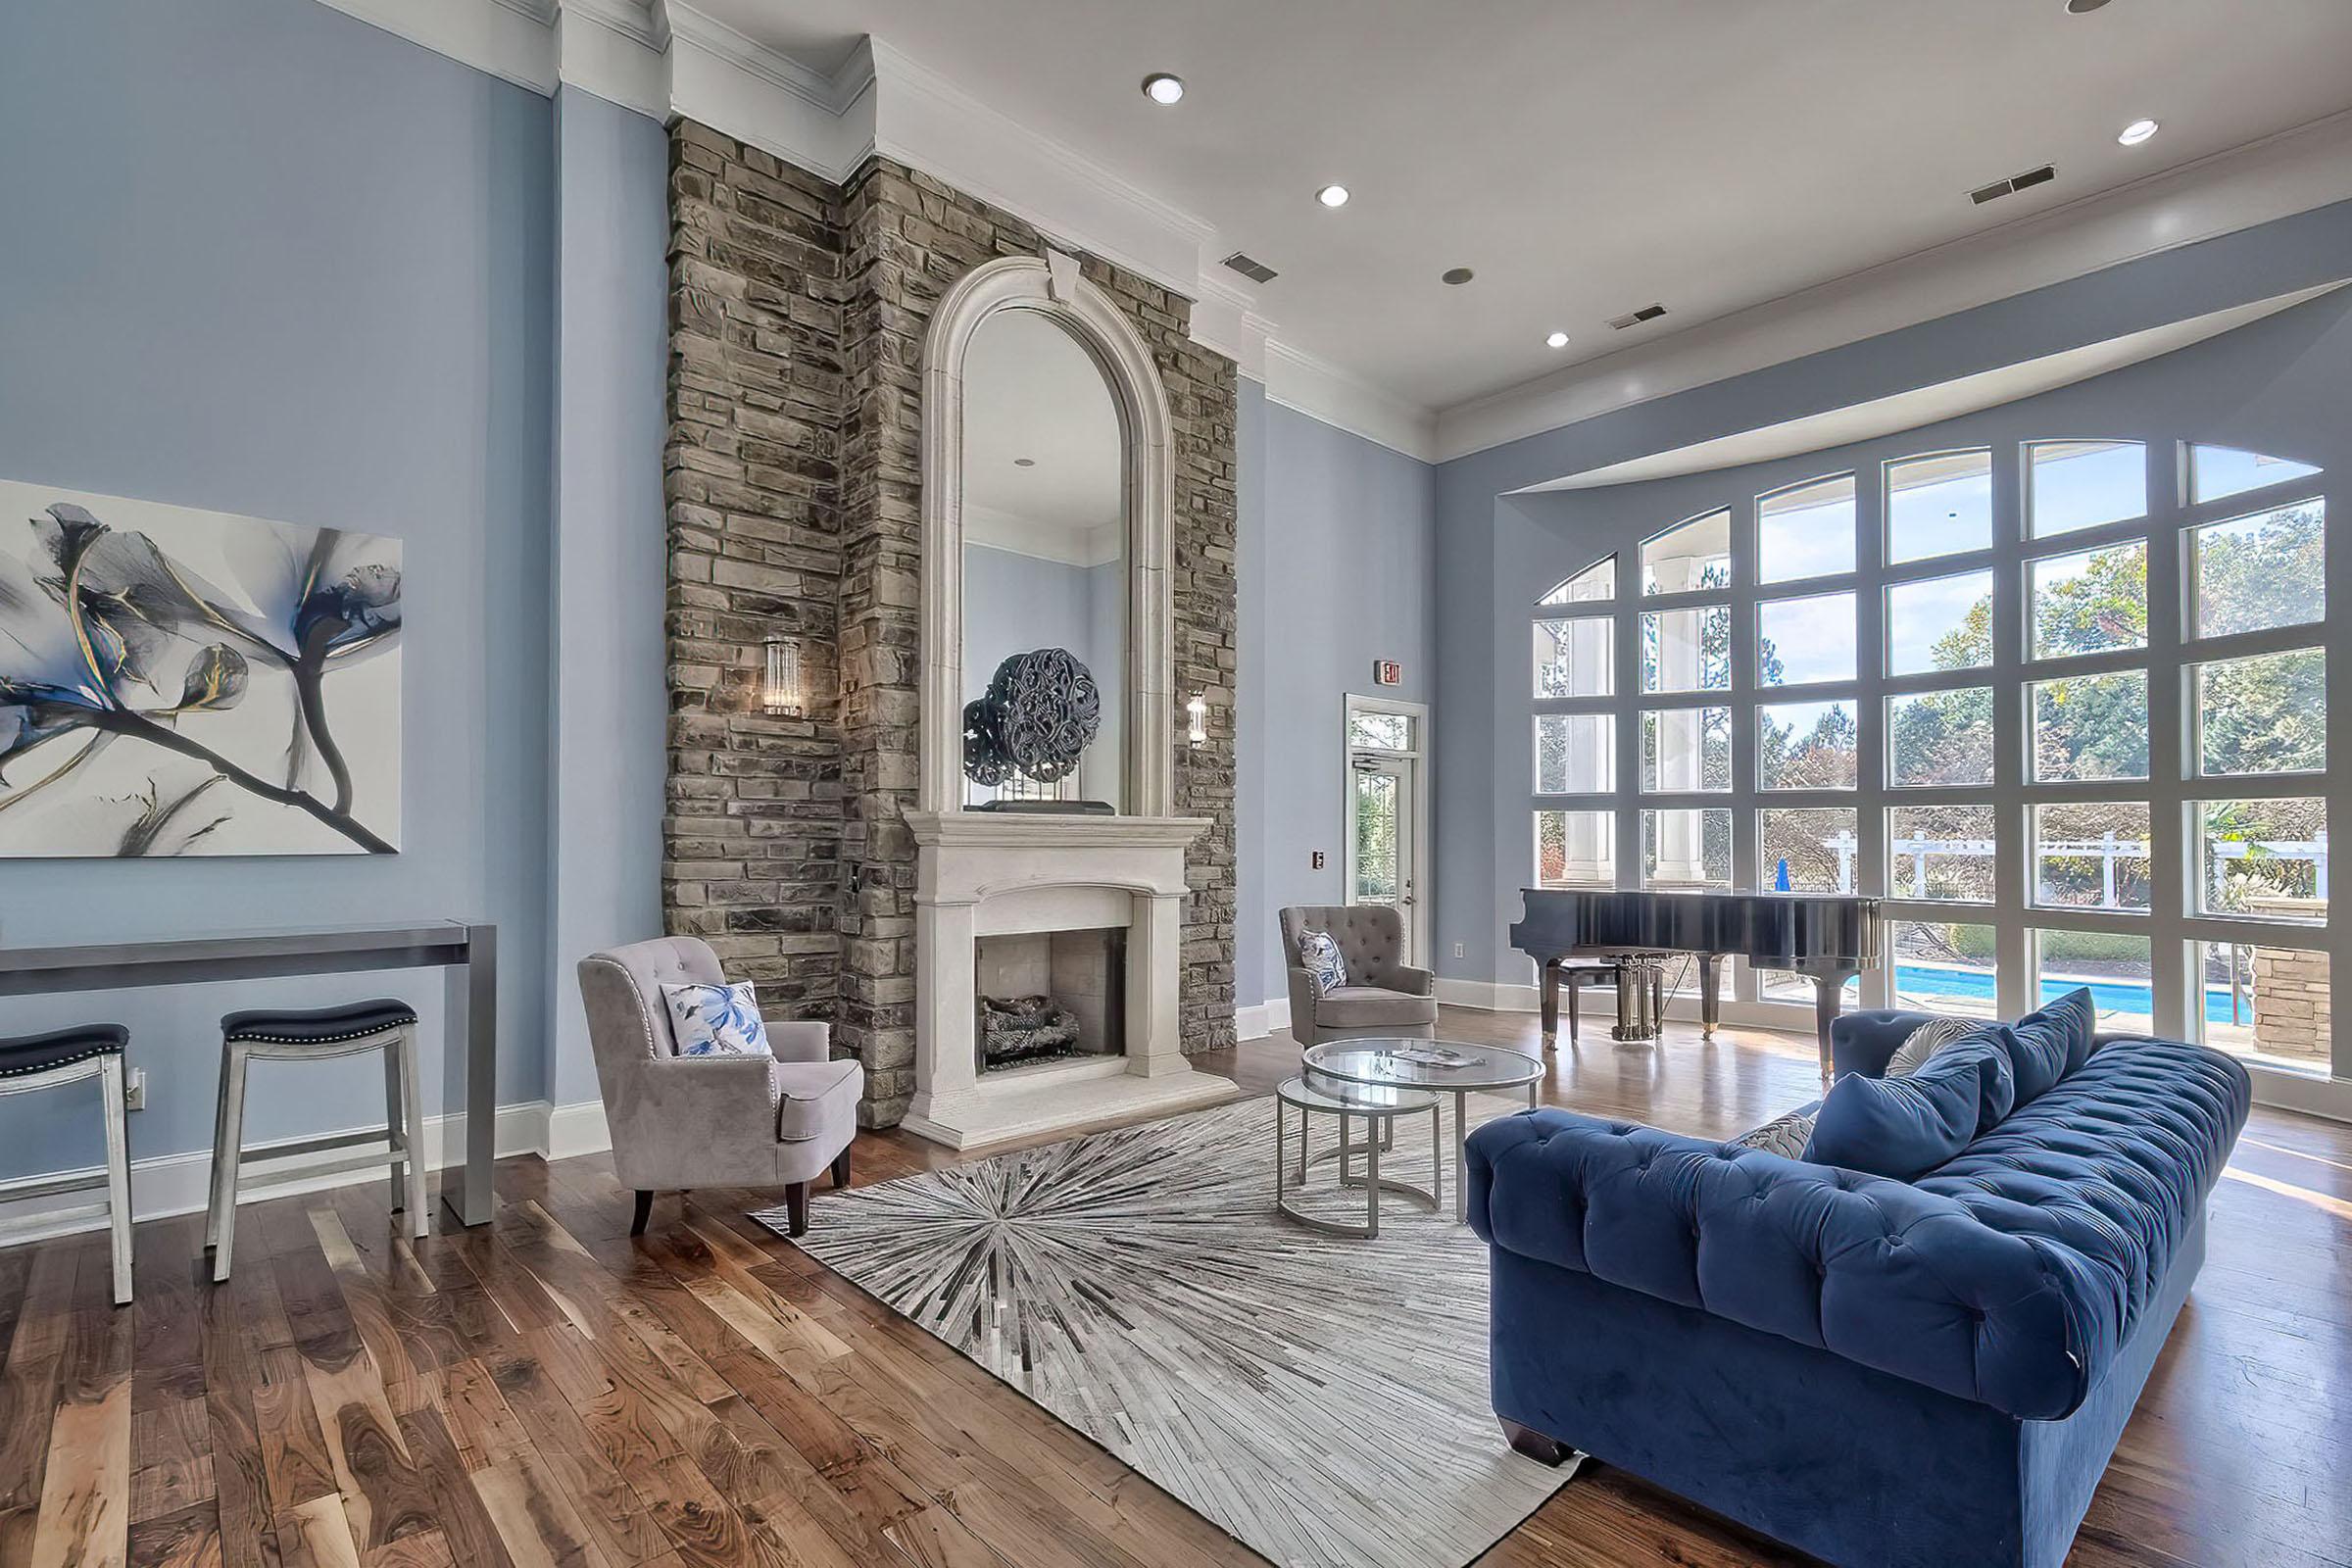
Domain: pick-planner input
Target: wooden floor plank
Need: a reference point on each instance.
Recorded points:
(85, 1483)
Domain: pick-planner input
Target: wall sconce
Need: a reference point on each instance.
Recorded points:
(784, 695)
(1196, 715)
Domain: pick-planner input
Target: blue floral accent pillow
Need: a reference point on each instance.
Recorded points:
(1319, 956)
(717, 1020)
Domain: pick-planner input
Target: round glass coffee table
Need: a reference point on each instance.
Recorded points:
(1379, 1110)
(1412, 1064)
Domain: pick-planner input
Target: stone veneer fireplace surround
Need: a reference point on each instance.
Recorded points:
(983, 873)
(799, 307)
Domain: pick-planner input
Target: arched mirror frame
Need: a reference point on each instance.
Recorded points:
(1050, 285)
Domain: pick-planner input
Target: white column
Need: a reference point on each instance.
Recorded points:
(946, 1053)
(1155, 965)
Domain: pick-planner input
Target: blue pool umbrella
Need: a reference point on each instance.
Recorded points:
(1780, 878)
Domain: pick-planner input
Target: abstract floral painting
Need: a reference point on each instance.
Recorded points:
(184, 682)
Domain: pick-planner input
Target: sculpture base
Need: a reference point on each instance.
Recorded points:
(1049, 808)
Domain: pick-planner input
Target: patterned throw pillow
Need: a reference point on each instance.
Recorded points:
(1319, 956)
(717, 1020)
(1924, 1041)
(1785, 1135)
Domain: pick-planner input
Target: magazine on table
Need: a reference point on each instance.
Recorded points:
(1433, 1057)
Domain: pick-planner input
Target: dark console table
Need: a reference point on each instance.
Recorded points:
(468, 953)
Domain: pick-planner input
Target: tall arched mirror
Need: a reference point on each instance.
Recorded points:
(1046, 569)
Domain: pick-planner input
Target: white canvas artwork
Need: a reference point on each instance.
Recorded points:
(183, 682)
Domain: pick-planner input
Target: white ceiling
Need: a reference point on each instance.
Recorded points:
(1588, 157)
(1031, 391)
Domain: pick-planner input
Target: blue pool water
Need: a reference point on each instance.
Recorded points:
(2107, 996)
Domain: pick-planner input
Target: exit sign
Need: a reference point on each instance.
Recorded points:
(1387, 672)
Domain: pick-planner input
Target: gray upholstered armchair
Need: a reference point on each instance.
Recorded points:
(1384, 994)
(711, 1121)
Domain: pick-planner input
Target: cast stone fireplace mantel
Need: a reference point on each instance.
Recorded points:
(982, 874)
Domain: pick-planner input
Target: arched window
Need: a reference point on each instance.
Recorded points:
(1691, 556)
(1596, 582)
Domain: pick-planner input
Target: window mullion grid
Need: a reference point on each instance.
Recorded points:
(2013, 955)
(2171, 846)
(1871, 546)
(2333, 637)
(1747, 593)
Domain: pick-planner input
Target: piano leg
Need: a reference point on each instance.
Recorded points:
(1710, 989)
(1551, 999)
(1826, 996)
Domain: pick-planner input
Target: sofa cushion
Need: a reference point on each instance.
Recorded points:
(1785, 1135)
(1904, 1126)
(1361, 1007)
(1924, 1041)
(1319, 955)
(2045, 1045)
(716, 1020)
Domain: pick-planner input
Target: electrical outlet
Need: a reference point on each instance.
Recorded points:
(1458, 952)
(134, 1090)
(1314, 860)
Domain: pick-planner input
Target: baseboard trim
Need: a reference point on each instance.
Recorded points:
(1261, 1020)
(162, 1186)
(1485, 996)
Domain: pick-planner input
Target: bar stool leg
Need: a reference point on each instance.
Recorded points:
(212, 1207)
(118, 1175)
(227, 1157)
(396, 1122)
(413, 1132)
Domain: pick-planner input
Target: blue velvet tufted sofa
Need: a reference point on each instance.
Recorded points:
(1878, 1372)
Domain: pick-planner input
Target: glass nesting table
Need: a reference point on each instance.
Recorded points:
(1402, 1065)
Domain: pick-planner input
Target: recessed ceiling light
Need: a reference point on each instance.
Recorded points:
(2138, 131)
(1457, 275)
(1558, 340)
(1332, 195)
(1024, 462)
(2082, 8)
(1162, 88)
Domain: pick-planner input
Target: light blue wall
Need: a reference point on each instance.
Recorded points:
(268, 259)
(1342, 556)
(610, 703)
(2281, 384)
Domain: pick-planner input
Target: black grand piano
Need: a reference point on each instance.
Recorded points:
(1826, 939)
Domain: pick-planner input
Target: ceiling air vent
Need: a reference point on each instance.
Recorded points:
(2025, 181)
(1648, 312)
(1250, 267)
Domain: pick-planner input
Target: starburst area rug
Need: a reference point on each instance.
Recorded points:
(1323, 1400)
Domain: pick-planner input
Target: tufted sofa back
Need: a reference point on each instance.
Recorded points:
(1370, 937)
(2009, 1277)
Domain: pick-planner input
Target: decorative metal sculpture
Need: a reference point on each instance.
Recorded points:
(1041, 712)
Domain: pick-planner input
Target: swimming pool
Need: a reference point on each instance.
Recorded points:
(1922, 981)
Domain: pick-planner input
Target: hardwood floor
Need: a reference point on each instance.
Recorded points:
(546, 1391)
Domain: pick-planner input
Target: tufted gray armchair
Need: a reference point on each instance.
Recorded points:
(711, 1121)
(1384, 994)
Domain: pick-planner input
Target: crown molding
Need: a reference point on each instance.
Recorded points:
(2293, 172)
(1321, 390)
(511, 39)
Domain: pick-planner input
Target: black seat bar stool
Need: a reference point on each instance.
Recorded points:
(313, 1035)
(30, 1063)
